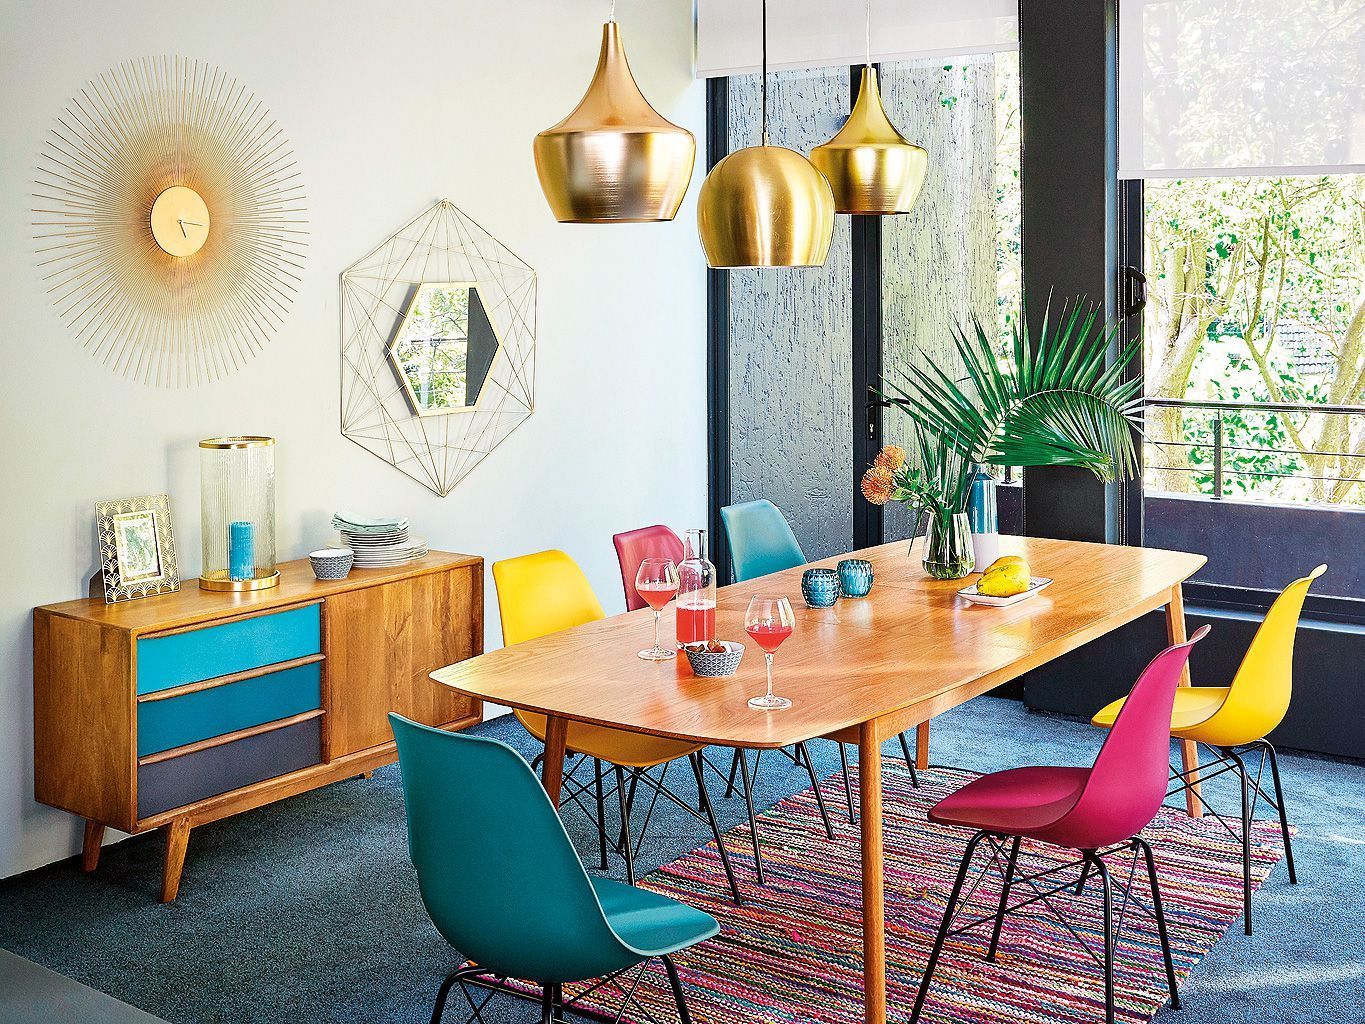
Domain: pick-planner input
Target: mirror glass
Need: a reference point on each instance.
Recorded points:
(443, 348)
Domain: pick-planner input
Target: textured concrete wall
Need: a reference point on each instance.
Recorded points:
(791, 336)
(938, 262)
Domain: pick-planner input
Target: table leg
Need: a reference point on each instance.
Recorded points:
(922, 746)
(90, 848)
(552, 771)
(1189, 753)
(874, 880)
(177, 841)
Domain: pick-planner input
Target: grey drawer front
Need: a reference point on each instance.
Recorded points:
(204, 773)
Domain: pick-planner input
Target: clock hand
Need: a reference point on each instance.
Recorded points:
(181, 222)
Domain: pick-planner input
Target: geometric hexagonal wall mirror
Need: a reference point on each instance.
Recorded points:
(438, 333)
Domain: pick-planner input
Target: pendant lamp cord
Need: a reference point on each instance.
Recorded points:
(613, 11)
(867, 27)
(765, 72)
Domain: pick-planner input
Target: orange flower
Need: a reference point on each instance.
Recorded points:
(878, 485)
(891, 457)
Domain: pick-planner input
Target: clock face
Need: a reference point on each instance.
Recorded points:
(180, 221)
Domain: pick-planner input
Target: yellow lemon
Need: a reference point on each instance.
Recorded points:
(1006, 581)
(1006, 560)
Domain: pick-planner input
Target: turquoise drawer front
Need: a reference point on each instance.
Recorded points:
(166, 661)
(190, 717)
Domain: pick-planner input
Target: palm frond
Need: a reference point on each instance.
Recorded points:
(1058, 400)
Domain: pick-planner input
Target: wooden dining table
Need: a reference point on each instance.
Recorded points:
(860, 672)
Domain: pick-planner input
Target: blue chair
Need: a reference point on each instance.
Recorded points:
(503, 885)
(761, 540)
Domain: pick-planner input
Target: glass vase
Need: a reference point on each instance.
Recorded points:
(237, 494)
(948, 547)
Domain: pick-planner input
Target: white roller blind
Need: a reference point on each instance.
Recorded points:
(1231, 87)
(822, 33)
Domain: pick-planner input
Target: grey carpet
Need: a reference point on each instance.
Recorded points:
(308, 910)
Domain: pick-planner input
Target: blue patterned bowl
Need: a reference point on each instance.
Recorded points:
(714, 664)
(855, 577)
(820, 587)
(332, 563)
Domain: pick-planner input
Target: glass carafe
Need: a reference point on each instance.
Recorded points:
(696, 592)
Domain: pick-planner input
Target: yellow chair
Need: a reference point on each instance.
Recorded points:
(1234, 721)
(546, 593)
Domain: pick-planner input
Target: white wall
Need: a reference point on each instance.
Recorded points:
(349, 81)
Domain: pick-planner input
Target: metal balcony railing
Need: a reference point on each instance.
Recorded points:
(1219, 466)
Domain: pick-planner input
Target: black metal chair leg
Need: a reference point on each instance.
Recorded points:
(909, 761)
(624, 803)
(803, 754)
(1004, 899)
(443, 993)
(601, 811)
(1160, 914)
(1246, 837)
(1279, 804)
(547, 1005)
(675, 983)
(1108, 887)
(848, 783)
(704, 798)
(749, 805)
(942, 934)
(1085, 874)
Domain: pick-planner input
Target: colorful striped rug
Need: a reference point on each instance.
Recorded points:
(793, 952)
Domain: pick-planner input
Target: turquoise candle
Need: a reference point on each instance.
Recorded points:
(241, 551)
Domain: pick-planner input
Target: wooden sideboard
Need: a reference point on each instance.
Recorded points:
(185, 708)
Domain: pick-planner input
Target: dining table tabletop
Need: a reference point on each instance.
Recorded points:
(862, 671)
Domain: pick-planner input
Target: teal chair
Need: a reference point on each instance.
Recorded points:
(503, 885)
(762, 542)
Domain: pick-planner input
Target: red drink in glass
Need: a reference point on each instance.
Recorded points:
(696, 619)
(656, 595)
(769, 636)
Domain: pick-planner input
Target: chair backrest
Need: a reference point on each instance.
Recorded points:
(497, 872)
(634, 546)
(541, 594)
(1259, 696)
(761, 540)
(1128, 782)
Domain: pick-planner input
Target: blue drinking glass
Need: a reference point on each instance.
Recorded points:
(820, 587)
(855, 577)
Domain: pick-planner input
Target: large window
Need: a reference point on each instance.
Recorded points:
(800, 417)
(1255, 361)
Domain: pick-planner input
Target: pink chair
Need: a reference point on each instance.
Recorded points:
(634, 546)
(1094, 811)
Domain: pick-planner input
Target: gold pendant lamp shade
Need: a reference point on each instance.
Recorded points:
(615, 159)
(869, 164)
(765, 206)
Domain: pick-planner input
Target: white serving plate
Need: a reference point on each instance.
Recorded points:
(1035, 584)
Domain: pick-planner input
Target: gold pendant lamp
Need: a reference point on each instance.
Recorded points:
(869, 164)
(765, 206)
(615, 159)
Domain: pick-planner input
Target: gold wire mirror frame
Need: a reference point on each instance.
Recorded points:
(438, 246)
(185, 291)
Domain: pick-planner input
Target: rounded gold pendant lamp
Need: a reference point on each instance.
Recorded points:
(615, 159)
(765, 206)
(872, 168)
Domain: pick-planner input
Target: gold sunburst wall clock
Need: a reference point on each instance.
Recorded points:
(170, 223)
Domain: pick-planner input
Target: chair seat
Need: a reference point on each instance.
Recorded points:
(1194, 705)
(651, 924)
(1020, 801)
(615, 746)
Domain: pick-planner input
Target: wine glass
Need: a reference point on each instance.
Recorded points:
(769, 621)
(656, 582)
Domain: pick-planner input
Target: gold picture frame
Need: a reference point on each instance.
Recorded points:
(137, 547)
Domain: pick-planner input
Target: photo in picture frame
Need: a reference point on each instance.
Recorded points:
(137, 547)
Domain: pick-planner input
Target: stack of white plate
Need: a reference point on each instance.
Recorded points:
(369, 554)
(378, 542)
